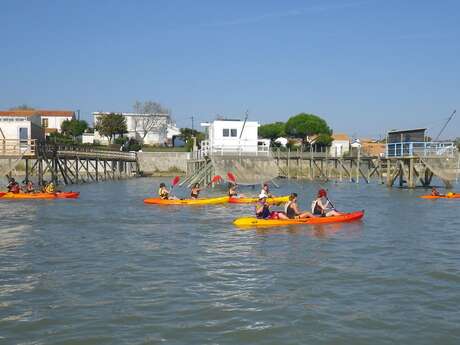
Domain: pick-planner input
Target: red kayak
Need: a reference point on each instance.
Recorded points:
(58, 195)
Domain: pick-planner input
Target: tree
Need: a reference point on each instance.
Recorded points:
(74, 128)
(109, 125)
(272, 130)
(457, 142)
(302, 125)
(156, 117)
(187, 135)
(22, 107)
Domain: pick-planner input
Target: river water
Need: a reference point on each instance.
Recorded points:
(107, 269)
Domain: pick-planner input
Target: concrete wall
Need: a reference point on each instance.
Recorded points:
(155, 162)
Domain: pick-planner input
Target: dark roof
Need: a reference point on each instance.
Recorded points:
(406, 130)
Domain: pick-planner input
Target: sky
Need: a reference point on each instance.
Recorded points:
(364, 66)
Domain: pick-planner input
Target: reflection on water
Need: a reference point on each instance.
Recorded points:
(109, 269)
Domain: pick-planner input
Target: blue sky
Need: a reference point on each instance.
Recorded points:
(365, 66)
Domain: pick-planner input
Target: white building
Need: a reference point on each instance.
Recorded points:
(150, 129)
(232, 137)
(340, 145)
(49, 120)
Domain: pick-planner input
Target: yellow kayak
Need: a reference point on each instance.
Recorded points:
(274, 200)
(205, 201)
(255, 222)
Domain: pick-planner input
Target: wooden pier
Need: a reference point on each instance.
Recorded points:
(70, 164)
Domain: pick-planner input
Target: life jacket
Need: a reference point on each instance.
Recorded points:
(163, 194)
(317, 209)
(290, 213)
(50, 188)
(15, 188)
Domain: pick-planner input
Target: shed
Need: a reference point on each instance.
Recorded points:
(407, 135)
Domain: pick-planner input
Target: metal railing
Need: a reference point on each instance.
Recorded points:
(232, 150)
(17, 147)
(422, 149)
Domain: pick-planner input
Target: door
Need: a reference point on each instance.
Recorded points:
(23, 138)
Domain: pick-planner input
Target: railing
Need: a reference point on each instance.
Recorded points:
(16, 147)
(241, 150)
(52, 150)
(423, 149)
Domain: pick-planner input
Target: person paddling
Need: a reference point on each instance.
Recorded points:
(195, 191)
(292, 211)
(13, 186)
(232, 190)
(163, 192)
(321, 206)
(435, 192)
(262, 208)
(266, 191)
(50, 188)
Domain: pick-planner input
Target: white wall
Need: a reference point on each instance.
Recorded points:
(249, 138)
(55, 122)
(10, 126)
(339, 148)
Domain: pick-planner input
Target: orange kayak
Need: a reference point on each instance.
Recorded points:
(58, 195)
(274, 200)
(446, 196)
(205, 201)
(254, 222)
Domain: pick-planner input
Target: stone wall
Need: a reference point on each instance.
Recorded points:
(161, 162)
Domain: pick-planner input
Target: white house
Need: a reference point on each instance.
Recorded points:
(51, 120)
(150, 129)
(232, 137)
(340, 145)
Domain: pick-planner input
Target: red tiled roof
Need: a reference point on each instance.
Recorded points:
(65, 113)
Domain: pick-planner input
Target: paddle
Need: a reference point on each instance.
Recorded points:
(231, 177)
(215, 179)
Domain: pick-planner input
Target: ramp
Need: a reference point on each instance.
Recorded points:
(446, 168)
(247, 170)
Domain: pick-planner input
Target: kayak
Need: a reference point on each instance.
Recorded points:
(273, 200)
(207, 201)
(254, 222)
(58, 195)
(447, 196)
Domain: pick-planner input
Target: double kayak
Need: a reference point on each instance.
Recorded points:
(274, 200)
(254, 222)
(446, 196)
(205, 201)
(58, 195)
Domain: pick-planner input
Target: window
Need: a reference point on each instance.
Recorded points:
(233, 132)
(45, 123)
(225, 132)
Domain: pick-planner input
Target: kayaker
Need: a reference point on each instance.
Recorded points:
(50, 188)
(321, 206)
(30, 188)
(262, 208)
(292, 211)
(435, 192)
(266, 191)
(195, 191)
(13, 186)
(232, 190)
(163, 192)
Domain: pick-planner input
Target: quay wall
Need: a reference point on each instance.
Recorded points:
(163, 162)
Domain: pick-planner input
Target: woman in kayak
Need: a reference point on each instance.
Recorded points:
(435, 192)
(28, 186)
(263, 210)
(321, 206)
(232, 190)
(50, 188)
(163, 192)
(13, 186)
(195, 191)
(292, 211)
(266, 191)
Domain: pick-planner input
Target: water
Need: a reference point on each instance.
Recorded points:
(107, 269)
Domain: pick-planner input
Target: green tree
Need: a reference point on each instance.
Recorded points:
(22, 107)
(272, 130)
(187, 135)
(74, 128)
(302, 125)
(457, 142)
(109, 125)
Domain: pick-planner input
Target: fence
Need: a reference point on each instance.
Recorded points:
(422, 149)
(17, 148)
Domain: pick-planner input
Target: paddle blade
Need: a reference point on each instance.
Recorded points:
(175, 181)
(231, 177)
(216, 179)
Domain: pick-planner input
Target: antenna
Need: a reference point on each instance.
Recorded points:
(445, 125)
(244, 123)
